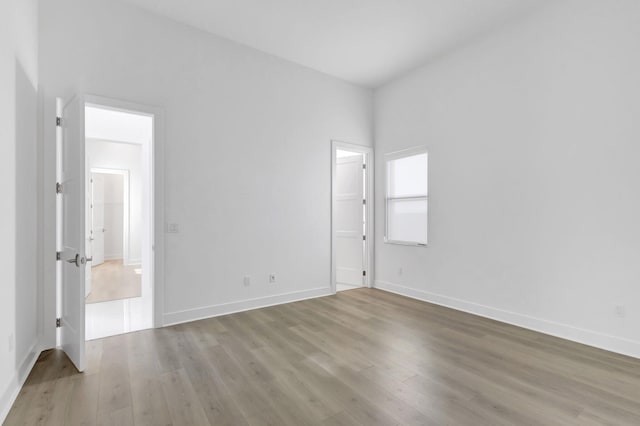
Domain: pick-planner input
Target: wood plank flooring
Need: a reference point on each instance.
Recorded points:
(363, 357)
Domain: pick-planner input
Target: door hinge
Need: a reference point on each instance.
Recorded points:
(58, 255)
(364, 273)
(58, 322)
(58, 121)
(364, 166)
(364, 202)
(58, 188)
(364, 238)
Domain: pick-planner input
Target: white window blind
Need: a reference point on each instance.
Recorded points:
(407, 197)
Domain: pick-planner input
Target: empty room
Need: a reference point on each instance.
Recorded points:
(320, 212)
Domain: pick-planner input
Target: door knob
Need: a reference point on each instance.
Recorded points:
(75, 260)
(78, 260)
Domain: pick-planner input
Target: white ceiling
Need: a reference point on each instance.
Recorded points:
(367, 42)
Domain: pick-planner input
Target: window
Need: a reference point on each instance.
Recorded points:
(407, 197)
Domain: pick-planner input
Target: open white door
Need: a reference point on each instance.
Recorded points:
(97, 218)
(349, 220)
(72, 198)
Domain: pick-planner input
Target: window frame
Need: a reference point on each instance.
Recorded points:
(396, 155)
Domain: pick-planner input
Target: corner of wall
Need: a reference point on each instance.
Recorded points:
(586, 337)
(15, 385)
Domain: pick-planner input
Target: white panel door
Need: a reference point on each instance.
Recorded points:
(349, 220)
(97, 219)
(73, 232)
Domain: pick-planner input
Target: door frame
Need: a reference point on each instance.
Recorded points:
(367, 151)
(125, 206)
(157, 213)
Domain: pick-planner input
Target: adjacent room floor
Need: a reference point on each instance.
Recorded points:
(113, 280)
(362, 357)
(119, 301)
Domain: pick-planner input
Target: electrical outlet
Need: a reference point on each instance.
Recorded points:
(272, 278)
(247, 281)
(621, 311)
(173, 228)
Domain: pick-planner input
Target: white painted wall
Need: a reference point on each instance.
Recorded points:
(111, 155)
(247, 148)
(19, 225)
(534, 146)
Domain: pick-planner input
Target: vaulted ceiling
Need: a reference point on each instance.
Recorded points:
(366, 42)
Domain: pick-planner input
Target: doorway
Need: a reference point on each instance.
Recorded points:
(351, 216)
(96, 137)
(118, 287)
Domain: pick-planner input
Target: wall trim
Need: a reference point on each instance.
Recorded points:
(17, 381)
(178, 317)
(564, 331)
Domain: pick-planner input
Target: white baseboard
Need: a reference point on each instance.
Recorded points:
(15, 385)
(128, 262)
(564, 331)
(195, 314)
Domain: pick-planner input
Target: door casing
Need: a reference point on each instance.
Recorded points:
(156, 174)
(157, 213)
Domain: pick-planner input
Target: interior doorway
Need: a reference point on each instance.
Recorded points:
(352, 216)
(96, 137)
(118, 283)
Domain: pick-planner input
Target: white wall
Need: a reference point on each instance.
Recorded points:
(111, 155)
(247, 148)
(18, 174)
(534, 149)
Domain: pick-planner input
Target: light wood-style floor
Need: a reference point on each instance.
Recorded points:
(113, 280)
(363, 357)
